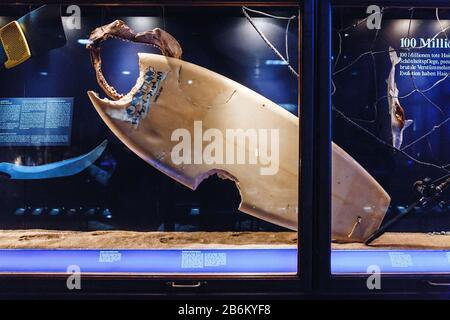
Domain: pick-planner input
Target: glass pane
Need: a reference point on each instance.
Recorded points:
(184, 163)
(390, 133)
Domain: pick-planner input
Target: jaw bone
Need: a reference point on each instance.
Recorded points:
(119, 30)
(171, 94)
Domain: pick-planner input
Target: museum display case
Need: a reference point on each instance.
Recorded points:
(387, 80)
(157, 142)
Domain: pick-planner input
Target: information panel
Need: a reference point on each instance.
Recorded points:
(35, 121)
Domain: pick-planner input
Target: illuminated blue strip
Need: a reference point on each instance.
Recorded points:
(254, 261)
(390, 261)
(150, 261)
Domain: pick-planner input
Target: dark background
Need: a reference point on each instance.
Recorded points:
(364, 83)
(137, 196)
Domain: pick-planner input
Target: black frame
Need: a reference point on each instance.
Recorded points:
(49, 286)
(431, 285)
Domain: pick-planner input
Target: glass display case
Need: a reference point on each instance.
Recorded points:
(224, 148)
(172, 154)
(384, 123)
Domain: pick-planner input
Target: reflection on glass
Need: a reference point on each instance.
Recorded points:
(137, 209)
(390, 115)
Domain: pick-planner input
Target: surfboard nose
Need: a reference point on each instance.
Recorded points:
(107, 104)
(95, 99)
(101, 105)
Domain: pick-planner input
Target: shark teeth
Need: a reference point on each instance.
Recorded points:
(135, 105)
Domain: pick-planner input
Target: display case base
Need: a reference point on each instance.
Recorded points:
(54, 239)
(401, 240)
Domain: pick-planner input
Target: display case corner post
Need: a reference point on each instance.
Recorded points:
(307, 107)
(322, 178)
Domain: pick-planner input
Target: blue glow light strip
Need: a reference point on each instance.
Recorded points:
(390, 261)
(253, 261)
(220, 261)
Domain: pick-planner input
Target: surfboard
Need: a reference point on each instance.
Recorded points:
(359, 202)
(179, 101)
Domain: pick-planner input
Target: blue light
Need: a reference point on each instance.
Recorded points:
(84, 41)
(126, 72)
(401, 209)
(90, 212)
(275, 63)
(71, 212)
(390, 261)
(248, 261)
(20, 212)
(195, 211)
(37, 211)
(43, 73)
(107, 214)
(54, 212)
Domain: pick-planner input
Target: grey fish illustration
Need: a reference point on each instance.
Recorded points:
(396, 111)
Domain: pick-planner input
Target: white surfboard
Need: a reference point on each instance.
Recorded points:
(172, 94)
(359, 203)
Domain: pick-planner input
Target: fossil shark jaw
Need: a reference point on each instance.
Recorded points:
(119, 30)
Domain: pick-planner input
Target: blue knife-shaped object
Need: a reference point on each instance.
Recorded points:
(59, 169)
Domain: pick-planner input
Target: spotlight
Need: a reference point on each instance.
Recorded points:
(84, 41)
(54, 212)
(20, 212)
(37, 211)
(107, 214)
(90, 212)
(71, 212)
(275, 63)
(195, 211)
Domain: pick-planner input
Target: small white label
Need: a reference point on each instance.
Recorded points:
(215, 259)
(400, 260)
(448, 256)
(191, 259)
(109, 256)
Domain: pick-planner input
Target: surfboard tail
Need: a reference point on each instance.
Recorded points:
(359, 202)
